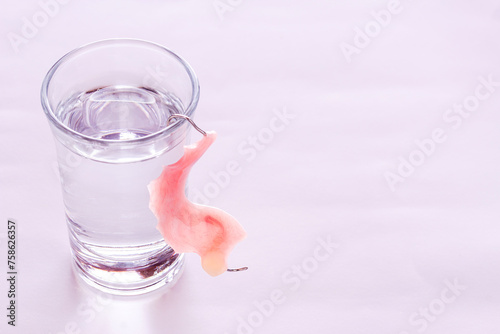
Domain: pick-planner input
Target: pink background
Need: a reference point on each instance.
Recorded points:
(323, 175)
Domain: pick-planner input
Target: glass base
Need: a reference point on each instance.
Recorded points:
(151, 267)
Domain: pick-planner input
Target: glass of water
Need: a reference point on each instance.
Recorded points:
(108, 104)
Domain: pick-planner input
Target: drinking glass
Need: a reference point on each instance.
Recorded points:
(108, 104)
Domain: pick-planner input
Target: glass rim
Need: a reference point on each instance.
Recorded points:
(49, 112)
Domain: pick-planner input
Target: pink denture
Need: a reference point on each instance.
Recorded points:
(187, 227)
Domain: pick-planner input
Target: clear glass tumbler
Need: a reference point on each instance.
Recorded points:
(108, 104)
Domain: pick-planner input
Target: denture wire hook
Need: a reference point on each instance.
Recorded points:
(236, 270)
(187, 119)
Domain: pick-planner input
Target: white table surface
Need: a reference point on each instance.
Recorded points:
(398, 252)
